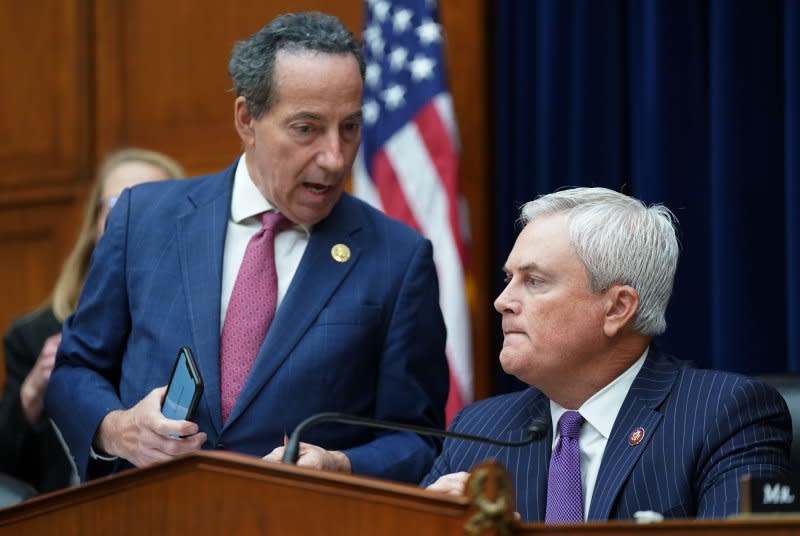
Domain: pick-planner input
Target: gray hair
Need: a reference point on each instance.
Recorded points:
(619, 240)
(252, 64)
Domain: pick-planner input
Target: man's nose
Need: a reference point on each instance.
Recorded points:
(331, 156)
(505, 302)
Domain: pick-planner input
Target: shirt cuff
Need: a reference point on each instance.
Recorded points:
(93, 454)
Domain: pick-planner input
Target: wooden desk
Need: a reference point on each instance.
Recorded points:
(211, 493)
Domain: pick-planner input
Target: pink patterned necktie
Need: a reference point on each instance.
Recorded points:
(564, 487)
(250, 310)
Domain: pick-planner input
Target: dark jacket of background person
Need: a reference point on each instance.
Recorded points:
(32, 453)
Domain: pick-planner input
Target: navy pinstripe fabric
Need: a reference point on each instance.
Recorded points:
(703, 430)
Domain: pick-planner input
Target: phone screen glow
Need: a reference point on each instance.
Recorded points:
(179, 395)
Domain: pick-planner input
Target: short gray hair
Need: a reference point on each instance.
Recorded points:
(619, 240)
(252, 63)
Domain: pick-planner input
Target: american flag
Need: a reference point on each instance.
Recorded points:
(408, 162)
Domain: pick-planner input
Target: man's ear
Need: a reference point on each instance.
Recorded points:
(621, 306)
(244, 122)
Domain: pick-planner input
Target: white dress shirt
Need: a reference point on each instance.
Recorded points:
(600, 412)
(247, 203)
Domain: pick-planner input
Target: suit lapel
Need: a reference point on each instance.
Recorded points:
(537, 458)
(201, 237)
(649, 389)
(528, 465)
(317, 278)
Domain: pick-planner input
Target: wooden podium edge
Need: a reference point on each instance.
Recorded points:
(242, 466)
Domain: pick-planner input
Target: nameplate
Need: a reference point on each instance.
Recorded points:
(769, 495)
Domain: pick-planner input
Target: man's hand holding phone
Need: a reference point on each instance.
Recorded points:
(158, 428)
(141, 434)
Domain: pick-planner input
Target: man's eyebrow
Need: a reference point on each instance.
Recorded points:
(530, 267)
(317, 117)
(304, 115)
(524, 268)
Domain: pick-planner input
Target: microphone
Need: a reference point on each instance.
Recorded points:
(537, 430)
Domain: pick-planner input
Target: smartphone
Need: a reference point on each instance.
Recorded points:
(185, 388)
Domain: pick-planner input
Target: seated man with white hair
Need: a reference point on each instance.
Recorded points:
(588, 282)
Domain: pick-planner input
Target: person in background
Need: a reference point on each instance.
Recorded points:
(633, 430)
(29, 447)
(294, 297)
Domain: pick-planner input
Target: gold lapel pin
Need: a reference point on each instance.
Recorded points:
(340, 253)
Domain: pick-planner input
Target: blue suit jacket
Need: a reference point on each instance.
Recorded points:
(364, 336)
(703, 430)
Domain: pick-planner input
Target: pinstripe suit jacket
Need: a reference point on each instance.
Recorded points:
(703, 430)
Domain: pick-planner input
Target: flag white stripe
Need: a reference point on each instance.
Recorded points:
(444, 105)
(363, 186)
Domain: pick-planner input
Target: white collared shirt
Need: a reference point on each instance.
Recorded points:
(600, 412)
(247, 203)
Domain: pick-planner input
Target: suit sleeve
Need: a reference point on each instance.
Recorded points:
(84, 383)
(413, 379)
(441, 466)
(752, 436)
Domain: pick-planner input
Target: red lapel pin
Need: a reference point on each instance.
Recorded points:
(636, 436)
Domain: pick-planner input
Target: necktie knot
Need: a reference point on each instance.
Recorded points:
(570, 424)
(274, 222)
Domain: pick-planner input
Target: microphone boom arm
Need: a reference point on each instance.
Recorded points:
(536, 431)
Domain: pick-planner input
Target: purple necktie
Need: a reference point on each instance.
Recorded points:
(564, 488)
(250, 310)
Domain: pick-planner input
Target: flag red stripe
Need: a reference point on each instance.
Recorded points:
(391, 194)
(437, 141)
(455, 402)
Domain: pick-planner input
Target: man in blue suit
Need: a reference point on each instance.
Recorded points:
(357, 328)
(633, 430)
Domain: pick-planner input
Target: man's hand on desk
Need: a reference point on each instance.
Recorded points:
(452, 484)
(315, 457)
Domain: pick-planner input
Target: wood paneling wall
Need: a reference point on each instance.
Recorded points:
(84, 77)
(44, 137)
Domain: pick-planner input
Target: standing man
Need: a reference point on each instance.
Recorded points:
(294, 297)
(588, 282)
